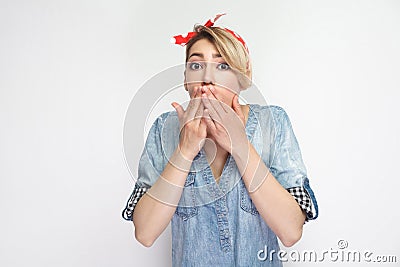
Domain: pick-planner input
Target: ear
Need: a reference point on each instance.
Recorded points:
(247, 79)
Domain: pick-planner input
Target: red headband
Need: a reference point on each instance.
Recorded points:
(183, 40)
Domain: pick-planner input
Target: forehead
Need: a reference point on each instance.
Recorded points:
(203, 46)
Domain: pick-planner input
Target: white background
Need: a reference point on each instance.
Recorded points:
(69, 69)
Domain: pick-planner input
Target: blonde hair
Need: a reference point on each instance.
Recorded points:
(230, 48)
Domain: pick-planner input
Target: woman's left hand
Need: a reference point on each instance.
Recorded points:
(225, 124)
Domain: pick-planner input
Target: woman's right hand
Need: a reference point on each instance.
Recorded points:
(193, 128)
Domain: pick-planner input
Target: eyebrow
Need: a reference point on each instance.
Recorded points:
(215, 55)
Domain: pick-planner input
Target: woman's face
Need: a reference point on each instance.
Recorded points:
(205, 66)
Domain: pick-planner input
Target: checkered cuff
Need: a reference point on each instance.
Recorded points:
(137, 193)
(304, 200)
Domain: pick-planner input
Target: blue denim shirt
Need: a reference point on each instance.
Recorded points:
(217, 224)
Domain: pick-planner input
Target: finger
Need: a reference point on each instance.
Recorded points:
(210, 107)
(222, 104)
(209, 122)
(237, 108)
(178, 109)
(236, 105)
(218, 105)
(198, 92)
(193, 106)
(214, 102)
(193, 93)
(199, 113)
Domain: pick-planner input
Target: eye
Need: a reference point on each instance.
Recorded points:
(195, 66)
(223, 66)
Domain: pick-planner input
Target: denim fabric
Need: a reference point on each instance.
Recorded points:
(218, 224)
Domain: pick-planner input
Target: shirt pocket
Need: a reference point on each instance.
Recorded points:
(187, 204)
(246, 203)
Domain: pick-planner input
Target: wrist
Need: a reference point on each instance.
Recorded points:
(186, 153)
(181, 161)
(241, 152)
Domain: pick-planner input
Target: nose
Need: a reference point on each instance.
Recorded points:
(208, 77)
(206, 83)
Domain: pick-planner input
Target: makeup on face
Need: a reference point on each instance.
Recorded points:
(206, 66)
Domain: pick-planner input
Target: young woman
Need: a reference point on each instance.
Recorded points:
(229, 177)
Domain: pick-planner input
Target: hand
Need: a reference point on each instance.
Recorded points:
(193, 129)
(225, 124)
